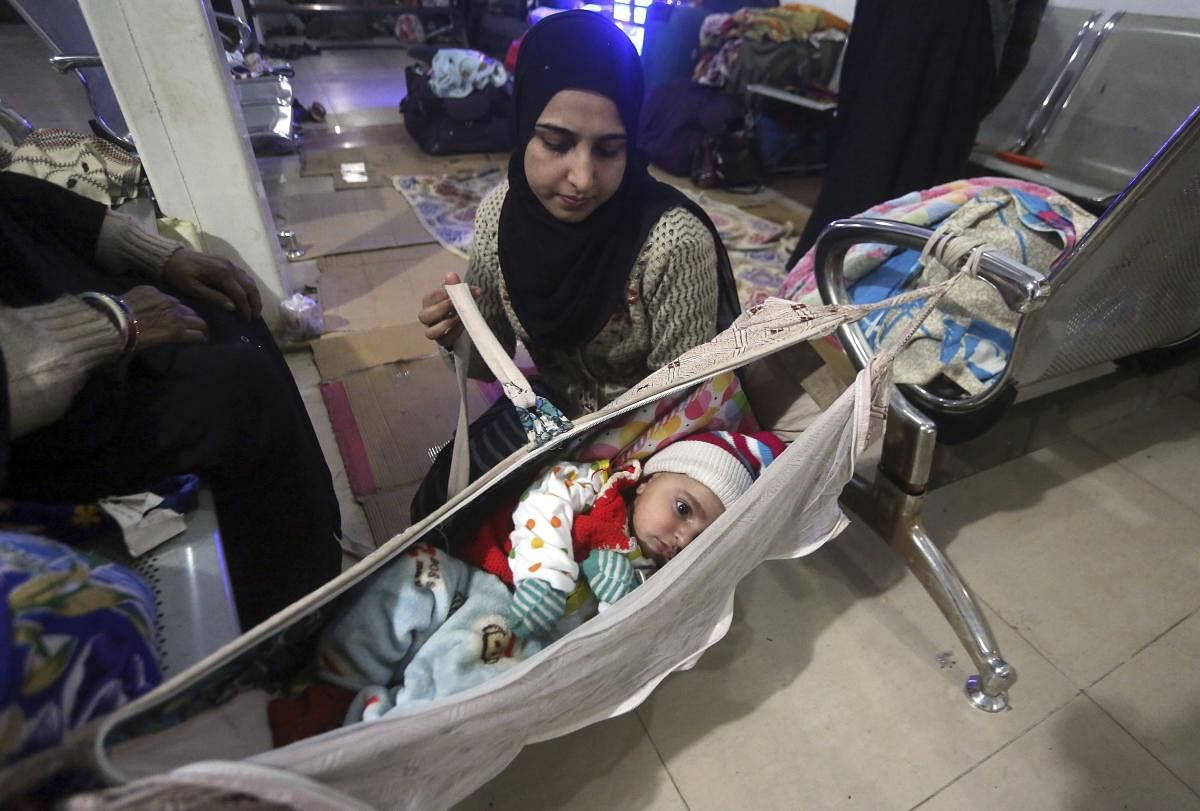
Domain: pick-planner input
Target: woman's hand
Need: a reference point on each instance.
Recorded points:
(437, 314)
(163, 319)
(215, 280)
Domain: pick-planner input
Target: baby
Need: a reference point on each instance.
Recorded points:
(581, 530)
(430, 625)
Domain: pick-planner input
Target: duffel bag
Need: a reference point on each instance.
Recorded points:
(443, 126)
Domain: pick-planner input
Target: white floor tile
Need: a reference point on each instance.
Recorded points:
(1078, 759)
(607, 766)
(1156, 698)
(1161, 445)
(828, 692)
(350, 100)
(1088, 561)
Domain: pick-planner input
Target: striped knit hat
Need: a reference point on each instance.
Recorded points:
(724, 462)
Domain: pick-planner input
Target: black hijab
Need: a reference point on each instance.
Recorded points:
(565, 280)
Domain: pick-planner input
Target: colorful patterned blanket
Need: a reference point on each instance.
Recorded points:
(76, 641)
(969, 340)
(719, 404)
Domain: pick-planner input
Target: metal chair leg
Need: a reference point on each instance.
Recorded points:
(891, 505)
(988, 689)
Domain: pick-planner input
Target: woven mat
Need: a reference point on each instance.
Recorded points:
(758, 247)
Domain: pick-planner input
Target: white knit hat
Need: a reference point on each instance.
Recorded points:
(725, 462)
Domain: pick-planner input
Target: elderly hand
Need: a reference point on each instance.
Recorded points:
(438, 316)
(163, 319)
(215, 280)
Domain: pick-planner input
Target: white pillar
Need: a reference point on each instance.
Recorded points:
(173, 84)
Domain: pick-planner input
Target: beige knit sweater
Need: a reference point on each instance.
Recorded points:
(670, 306)
(49, 349)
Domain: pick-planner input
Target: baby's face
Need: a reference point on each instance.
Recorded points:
(669, 511)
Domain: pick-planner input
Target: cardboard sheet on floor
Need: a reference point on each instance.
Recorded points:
(352, 220)
(388, 511)
(339, 354)
(364, 291)
(353, 170)
(390, 420)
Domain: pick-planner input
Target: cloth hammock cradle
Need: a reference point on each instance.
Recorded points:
(441, 752)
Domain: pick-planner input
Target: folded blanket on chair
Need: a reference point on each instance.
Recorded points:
(428, 626)
(969, 338)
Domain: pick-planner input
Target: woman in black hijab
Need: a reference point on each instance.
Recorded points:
(602, 272)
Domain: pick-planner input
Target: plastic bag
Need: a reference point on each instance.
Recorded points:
(302, 317)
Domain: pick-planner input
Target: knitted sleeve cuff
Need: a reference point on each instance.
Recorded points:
(123, 245)
(49, 350)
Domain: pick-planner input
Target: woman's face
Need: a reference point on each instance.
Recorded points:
(576, 158)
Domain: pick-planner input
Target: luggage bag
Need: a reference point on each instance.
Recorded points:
(478, 123)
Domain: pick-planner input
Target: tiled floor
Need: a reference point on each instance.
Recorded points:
(840, 685)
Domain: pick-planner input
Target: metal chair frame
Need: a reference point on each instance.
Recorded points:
(1088, 80)
(268, 98)
(1052, 338)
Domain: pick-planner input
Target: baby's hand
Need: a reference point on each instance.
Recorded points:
(536, 608)
(609, 573)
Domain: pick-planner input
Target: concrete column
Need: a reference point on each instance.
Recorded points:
(171, 79)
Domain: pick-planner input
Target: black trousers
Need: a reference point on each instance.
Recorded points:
(228, 410)
(916, 81)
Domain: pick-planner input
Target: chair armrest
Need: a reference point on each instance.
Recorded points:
(1022, 288)
(64, 63)
(15, 124)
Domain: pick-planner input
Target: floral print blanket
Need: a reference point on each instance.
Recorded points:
(718, 404)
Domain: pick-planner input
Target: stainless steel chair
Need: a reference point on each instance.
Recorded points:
(1120, 92)
(266, 101)
(14, 125)
(1131, 284)
(1065, 41)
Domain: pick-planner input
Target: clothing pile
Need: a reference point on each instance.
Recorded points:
(794, 46)
(459, 72)
(460, 103)
(706, 127)
(89, 166)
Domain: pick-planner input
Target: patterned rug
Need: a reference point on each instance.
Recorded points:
(445, 204)
(758, 248)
